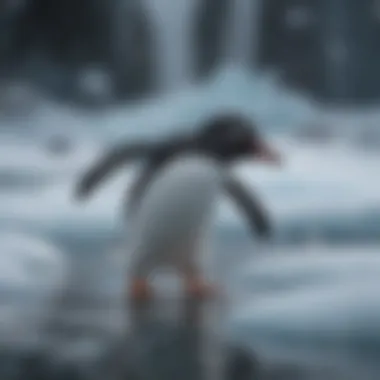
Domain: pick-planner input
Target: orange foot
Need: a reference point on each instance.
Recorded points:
(198, 288)
(140, 290)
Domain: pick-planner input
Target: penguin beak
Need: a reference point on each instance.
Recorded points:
(264, 153)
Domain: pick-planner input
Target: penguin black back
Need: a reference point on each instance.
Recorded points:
(226, 138)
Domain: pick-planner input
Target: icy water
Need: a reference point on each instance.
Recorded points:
(309, 300)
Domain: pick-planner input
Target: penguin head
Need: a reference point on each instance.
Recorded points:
(232, 137)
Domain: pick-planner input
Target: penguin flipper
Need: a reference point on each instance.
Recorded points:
(109, 163)
(253, 209)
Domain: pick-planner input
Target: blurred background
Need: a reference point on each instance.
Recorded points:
(79, 75)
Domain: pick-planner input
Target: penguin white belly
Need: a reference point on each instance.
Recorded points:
(175, 215)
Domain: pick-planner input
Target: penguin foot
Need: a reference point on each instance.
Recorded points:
(198, 288)
(140, 290)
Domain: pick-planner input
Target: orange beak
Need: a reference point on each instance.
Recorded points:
(267, 154)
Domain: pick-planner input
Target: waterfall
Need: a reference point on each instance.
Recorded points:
(173, 22)
(243, 31)
(336, 49)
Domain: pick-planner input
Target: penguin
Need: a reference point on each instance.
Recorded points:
(173, 199)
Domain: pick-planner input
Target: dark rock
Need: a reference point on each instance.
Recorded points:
(53, 45)
(12, 40)
(290, 42)
(325, 48)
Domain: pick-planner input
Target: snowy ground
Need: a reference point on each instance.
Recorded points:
(326, 297)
